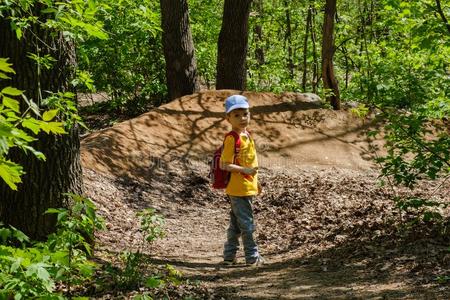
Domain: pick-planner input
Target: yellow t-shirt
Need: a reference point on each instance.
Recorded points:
(241, 184)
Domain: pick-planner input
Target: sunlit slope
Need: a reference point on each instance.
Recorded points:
(290, 130)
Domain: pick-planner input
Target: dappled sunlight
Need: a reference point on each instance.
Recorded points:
(290, 129)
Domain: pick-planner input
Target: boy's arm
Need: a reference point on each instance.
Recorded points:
(238, 169)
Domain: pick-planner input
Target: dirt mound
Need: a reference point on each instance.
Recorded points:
(290, 130)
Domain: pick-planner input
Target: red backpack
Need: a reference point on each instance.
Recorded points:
(220, 178)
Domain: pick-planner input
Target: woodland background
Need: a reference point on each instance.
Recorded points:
(383, 58)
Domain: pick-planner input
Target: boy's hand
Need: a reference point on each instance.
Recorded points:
(250, 171)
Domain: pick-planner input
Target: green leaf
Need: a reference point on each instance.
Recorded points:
(86, 269)
(11, 91)
(19, 33)
(4, 145)
(22, 135)
(32, 124)
(49, 10)
(10, 172)
(39, 270)
(49, 115)
(60, 257)
(153, 282)
(5, 233)
(5, 66)
(4, 76)
(19, 235)
(53, 127)
(39, 155)
(55, 210)
(11, 103)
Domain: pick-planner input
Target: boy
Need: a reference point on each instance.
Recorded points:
(243, 184)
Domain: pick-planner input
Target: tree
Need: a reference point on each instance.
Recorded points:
(308, 27)
(232, 45)
(181, 65)
(288, 39)
(329, 80)
(45, 182)
(258, 33)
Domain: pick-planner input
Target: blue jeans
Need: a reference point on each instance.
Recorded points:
(241, 224)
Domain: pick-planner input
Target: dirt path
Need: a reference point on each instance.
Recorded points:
(325, 226)
(323, 249)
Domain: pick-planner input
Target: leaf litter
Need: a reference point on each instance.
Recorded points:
(332, 221)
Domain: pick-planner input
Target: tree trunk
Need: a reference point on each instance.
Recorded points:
(329, 80)
(288, 40)
(44, 182)
(305, 48)
(315, 66)
(442, 15)
(179, 53)
(232, 45)
(259, 50)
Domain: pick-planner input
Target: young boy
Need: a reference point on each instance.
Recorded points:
(243, 184)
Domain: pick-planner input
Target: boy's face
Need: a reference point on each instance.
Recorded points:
(239, 118)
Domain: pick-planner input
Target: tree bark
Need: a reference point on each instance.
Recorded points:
(442, 15)
(288, 40)
(328, 77)
(232, 45)
(305, 48)
(315, 66)
(259, 50)
(179, 52)
(44, 182)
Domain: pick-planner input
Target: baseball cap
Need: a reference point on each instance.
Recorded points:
(235, 102)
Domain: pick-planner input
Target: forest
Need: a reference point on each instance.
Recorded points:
(110, 112)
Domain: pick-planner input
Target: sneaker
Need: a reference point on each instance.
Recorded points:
(259, 261)
(230, 262)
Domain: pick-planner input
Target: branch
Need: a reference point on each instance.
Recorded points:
(418, 142)
(441, 13)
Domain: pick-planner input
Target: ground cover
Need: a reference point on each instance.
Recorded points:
(325, 225)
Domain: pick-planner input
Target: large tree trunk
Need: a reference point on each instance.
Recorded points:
(329, 80)
(44, 182)
(181, 66)
(232, 45)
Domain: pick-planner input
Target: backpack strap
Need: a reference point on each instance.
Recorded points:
(237, 141)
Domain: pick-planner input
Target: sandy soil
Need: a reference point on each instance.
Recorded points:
(326, 227)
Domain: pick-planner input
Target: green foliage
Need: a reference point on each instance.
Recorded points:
(17, 130)
(205, 16)
(151, 224)
(76, 19)
(130, 65)
(131, 275)
(416, 149)
(397, 54)
(443, 279)
(63, 107)
(22, 120)
(360, 111)
(31, 270)
(76, 226)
